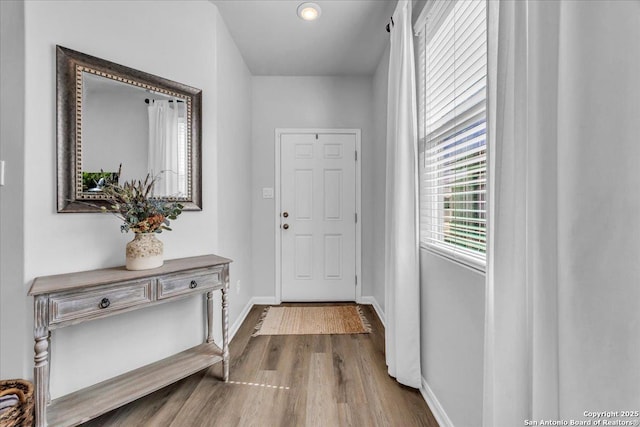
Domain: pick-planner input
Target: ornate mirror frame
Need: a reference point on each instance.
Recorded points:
(70, 66)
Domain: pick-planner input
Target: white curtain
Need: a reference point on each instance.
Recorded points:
(402, 291)
(562, 258)
(167, 147)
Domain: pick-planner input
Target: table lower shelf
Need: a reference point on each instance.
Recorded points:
(88, 403)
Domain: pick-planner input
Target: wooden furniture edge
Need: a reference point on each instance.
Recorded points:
(81, 279)
(88, 403)
(164, 372)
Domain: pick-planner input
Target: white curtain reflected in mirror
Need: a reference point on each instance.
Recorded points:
(167, 158)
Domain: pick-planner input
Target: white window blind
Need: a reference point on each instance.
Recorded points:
(452, 118)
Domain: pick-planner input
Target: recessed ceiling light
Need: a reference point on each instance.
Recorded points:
(309, 11)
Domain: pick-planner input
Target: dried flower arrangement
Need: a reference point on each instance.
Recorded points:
(134, 204)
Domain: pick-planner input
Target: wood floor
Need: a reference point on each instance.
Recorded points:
(306, 380)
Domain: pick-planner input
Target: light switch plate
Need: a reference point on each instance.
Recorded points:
(267, 193)
(1, 172)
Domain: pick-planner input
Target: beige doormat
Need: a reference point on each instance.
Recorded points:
(341, 319)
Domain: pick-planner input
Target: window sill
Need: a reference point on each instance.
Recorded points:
(473, 265)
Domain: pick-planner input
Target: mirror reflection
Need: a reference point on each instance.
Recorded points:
(110, 115)
(143, 130)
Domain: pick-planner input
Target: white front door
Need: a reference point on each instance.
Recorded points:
(318, 216)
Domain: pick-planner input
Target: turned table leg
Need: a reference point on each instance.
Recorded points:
(41, 359)
(225, 326)
(210, 316)
(49, 364)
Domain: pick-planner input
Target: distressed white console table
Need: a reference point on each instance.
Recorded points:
(68, 299)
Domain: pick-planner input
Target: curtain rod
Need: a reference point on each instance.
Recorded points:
(146, 101)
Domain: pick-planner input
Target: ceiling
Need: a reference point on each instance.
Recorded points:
(347, 39)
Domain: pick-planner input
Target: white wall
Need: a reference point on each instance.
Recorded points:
(452, 336)
(13, 304)
(234, 167)
(59, 243)
(380, 85)
(115, 120)
(305, 102)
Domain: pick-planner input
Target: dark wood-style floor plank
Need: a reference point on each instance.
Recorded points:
(322, 409)
(289, 380)
(348, 381)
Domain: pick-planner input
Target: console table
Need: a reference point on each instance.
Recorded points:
(68, 299)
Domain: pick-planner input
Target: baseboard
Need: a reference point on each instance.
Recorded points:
(245, 312)
(243, 315)
(427, 394)
(436, 408)
(374, 302)
(264, 301)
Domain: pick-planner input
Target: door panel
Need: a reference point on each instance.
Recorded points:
(333, 245)
(303, 262)
(318, 194)
(332, 195)
(303, 182)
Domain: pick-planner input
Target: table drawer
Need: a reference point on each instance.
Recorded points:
(192, 282)
(98, 301)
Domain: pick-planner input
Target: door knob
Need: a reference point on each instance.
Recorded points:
(285, 214)
(285, 226)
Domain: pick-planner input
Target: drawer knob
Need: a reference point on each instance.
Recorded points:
(105, 303)
(193, 284)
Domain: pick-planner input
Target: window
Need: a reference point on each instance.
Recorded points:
(452, 129)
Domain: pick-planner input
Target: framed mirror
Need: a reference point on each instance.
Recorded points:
(110, 115)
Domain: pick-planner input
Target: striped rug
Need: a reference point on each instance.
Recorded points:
(340, 319)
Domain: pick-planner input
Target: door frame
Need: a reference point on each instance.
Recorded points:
(278, 237)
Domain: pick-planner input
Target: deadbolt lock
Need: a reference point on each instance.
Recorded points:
(285, 214)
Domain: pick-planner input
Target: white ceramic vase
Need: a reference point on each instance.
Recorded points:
(144, 252)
